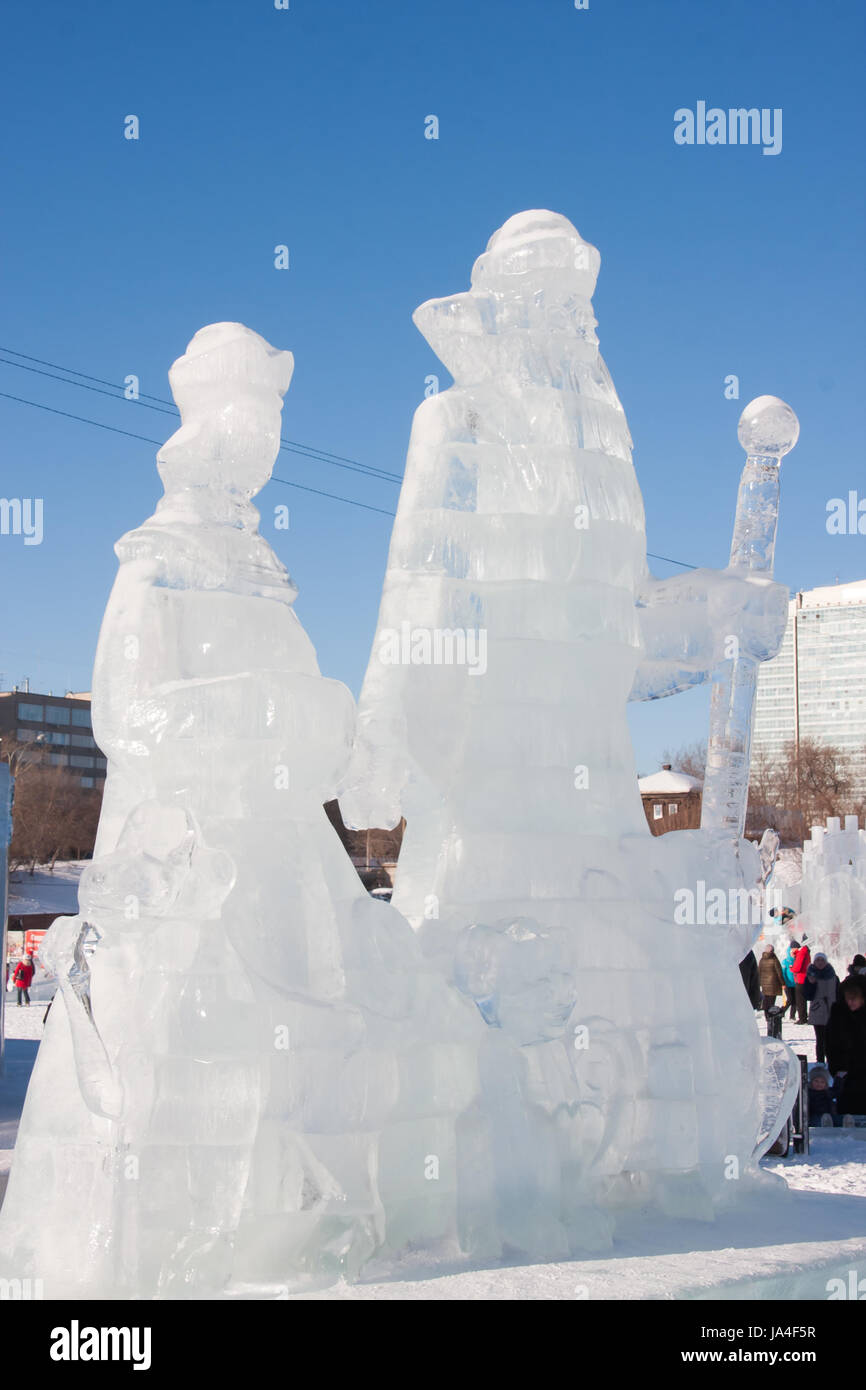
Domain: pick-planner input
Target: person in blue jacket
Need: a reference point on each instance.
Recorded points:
(788, 977)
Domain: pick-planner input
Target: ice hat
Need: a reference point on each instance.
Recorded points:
(538, 240)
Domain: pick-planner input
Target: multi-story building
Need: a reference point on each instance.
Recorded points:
(816, 687)
(59, 729)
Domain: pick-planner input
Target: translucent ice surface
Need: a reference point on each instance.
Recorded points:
(833, 892)
(249, 1065)
(254, 1075)
(518, 618)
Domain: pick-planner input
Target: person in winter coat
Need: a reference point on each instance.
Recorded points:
(821, 1099)
(770, 977)
(788, 976)
(858, 965)
(749, 972)
(846, 1046)
(820, 989)
(23, 978)
(800, 964)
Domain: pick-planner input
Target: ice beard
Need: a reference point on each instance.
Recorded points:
(244, 1069)
(620, 1061)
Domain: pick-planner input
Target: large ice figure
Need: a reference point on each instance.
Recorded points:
(620, 1062)
(245, 1068)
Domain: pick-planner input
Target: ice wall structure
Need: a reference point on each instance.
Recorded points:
(833, 891)
(620, 1062)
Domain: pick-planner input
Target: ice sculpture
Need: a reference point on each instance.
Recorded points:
(833, 890)
(768, 430)
(249, 1072)
(620, 1061)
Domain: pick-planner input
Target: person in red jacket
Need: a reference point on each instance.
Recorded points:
(799, 966)
(23, 978)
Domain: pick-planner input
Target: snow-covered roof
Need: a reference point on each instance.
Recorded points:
(834, 595)
(668, 783)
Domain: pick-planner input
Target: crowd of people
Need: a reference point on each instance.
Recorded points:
(813, 995)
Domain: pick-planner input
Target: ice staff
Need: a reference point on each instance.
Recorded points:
(768, 430)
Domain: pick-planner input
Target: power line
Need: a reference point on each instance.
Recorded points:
(114, 429)
(166, 407)
(145, 439)
(82, 419)
(319, 493)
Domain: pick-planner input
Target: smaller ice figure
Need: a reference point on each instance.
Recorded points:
(249, 1064)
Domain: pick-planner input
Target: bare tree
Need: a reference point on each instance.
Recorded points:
(53, 817)
(21, 756)
(801, 787)
(691, 759)
(790, 791)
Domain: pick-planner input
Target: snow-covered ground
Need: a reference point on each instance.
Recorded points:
(45, 891)
(24, 1022)
(799, 1037)
(836, 1163)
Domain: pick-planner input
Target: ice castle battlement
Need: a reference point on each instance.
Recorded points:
(833, 894)
(836, 847)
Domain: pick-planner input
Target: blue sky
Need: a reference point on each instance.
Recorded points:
(306, 127)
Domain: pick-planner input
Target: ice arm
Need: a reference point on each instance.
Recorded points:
(691, 622)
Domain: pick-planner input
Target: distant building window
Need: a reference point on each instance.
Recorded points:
(100, 762)
(672, 808)
(83, 741)
(58, 759)
(56, 737)
(658, 811)
(78, 761)
(81, 717)
(56, 714)
(32, 736)
(31, 712)
(87, 781)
